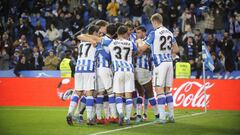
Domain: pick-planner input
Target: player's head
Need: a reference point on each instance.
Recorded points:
(102, 27)
(141, 32)
(156, 20)
(122, 32)
(130, 27)
(93, 30)
(111, 30)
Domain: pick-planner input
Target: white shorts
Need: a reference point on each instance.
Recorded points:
(163, 75)
(84, 81)
(104, 79)
(143, 76)
(123, 82)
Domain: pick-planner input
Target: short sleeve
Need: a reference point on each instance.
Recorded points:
(106, 42)
(150, 39)
(98, 47)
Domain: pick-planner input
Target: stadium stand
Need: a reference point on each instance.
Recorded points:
(32, 28)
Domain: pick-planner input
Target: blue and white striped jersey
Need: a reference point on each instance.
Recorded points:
(143, 61)
(86, 58)
(161, 41)
(121, 51)
(133, 37)
(102, 61)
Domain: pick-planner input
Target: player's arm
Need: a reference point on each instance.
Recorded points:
(89, 38)
(135, 50)
(144, 45)
(175, 48)
(103, 52)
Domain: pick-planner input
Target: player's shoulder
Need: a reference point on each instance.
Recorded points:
(106, 40)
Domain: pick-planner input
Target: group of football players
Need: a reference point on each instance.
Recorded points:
(119, 68)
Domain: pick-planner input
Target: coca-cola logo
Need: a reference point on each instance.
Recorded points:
(191, 94)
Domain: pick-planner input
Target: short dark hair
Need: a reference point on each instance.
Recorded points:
(118, 24)
(111, 29)
(142, 28)
(92, 29)
(122, 30)
(157, 17)
(101, 23)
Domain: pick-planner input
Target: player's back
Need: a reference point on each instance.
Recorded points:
(121, 54)
(102, 61)
(86, 57)
(162, 45)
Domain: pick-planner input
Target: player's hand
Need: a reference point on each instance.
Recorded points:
(94, 43)
(139, 42)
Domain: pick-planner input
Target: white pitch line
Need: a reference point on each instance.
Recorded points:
(145, 124)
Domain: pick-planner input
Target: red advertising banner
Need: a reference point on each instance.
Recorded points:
(188, 93)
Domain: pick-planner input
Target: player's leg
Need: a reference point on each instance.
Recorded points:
(99, 100)
(145, 106)
(89, 80)
(160, 75)
(106, 108)
(75, 98)
(151, 98)
(134, 97)
(129, 88)
(99, 106)
(118, 89)
(89, 106)
(108, 85)
(168, 93)
(142, 77)
(139, 101)
(80, 109)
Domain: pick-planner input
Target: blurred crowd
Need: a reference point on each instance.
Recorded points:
(33, 33)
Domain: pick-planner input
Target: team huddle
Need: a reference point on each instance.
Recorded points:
(118, 70)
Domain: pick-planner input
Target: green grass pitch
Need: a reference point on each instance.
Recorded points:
(51, 121)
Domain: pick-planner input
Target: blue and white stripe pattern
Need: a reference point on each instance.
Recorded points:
(84, 65)
(142, 61)
(159, 58)
(123, 66)
(102, 61)
(121, 55)
(86, 58)
(209, 63)
(133, 37)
